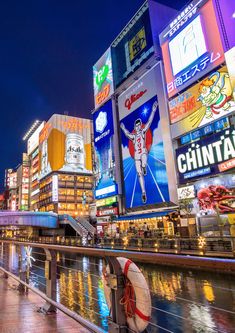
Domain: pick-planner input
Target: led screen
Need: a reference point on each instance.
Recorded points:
(104, 162)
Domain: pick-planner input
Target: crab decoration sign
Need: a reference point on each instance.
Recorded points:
(216, 197)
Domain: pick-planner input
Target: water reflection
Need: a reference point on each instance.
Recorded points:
(183, 301)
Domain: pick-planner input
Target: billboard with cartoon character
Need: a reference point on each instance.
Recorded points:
(144, 165)
(208, 100)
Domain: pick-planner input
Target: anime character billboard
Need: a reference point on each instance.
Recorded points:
(145, 176)
(203, 103)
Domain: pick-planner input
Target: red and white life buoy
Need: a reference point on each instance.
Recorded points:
(136, 299)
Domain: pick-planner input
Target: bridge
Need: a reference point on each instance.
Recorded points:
(45, 220)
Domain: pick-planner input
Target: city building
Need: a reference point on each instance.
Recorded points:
(32, 137)
(65, 166)
(198, 53)
(135, 184)
(22, 197)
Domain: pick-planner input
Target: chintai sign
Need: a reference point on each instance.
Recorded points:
(207, 157)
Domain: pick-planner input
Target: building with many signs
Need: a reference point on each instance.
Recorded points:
(65, 166)
(134, 182)
(198, 53)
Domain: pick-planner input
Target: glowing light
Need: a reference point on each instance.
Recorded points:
(32, 129)
(145, 111)
(29, 257)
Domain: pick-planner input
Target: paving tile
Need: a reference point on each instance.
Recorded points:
(18, 313)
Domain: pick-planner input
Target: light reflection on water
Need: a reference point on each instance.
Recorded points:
(183, 301)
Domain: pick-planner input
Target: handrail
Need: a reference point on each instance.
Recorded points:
(85, 323)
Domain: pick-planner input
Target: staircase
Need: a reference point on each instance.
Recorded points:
(86, 225)
(78, 227)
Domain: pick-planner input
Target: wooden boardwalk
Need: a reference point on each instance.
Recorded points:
(18, 313)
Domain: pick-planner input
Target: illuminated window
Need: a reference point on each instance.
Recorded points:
(187, 46)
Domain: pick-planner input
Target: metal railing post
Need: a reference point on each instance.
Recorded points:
(6, 254)
(50, 275)
(22, 274)
(117, 322)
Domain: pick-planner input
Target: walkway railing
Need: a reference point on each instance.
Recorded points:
(208, 246)
(74, 286)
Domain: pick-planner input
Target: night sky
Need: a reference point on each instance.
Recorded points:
(47, 52)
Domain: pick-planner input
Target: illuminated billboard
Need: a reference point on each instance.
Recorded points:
(11, 178)
(33, 140)
(206, 101)
(65, 145)
(191, 45)
(144, 165)
(103, 79)
(133, 46)
(212, 155)
(104, 162)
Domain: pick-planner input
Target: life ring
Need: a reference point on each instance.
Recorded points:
(136, 299)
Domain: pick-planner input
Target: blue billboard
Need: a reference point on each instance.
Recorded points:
(145, 176)
(104, 162)
(209, 156)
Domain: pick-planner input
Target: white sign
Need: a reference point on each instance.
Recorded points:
(230, 61)
(187, 46)
(138, 93)
(186, 192)
(33, 141)
(101, 122)
(55, 188)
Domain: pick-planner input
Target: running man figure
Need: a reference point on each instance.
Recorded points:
(140, 151)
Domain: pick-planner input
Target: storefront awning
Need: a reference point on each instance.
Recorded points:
(143, 216)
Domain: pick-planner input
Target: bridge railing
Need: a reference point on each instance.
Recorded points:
(68, 279)
(212, 246)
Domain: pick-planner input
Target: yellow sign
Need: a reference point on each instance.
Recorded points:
(231, 218)
(203, 103)
(137, 44)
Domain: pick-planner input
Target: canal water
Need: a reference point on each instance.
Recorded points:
(183, 301)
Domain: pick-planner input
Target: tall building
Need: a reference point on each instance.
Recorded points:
(198, 48)
(22, 198)
(65, 166)
(134, 174)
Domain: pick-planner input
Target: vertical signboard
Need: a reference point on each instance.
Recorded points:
(191, 45)
(104, 163)
(145, 177)
(33, 140)
(103, 79)
(65, 145)
(133, 45)
(55, 188)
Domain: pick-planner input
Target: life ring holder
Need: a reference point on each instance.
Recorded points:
(136, 299)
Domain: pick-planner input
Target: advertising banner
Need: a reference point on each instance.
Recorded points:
(145, 177)
(104, 162)
(226, 10)
(230, 61)
(103, 79)
(209, 156)
(186, 192)
(11, 178)
(65, 145)
(33, 140)
(133, 46)
(208, 100)
(216, 193)
(191, 45)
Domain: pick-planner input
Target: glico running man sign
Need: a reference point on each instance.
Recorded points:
(144, 165)
(210, 156)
